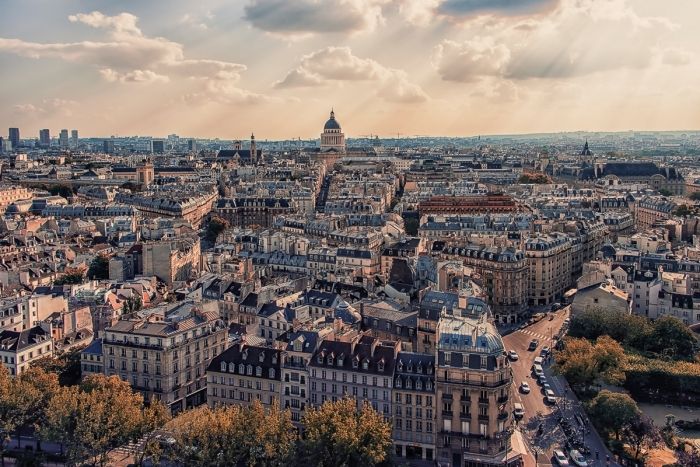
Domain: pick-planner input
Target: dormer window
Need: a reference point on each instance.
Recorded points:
(329, 360)
(258, 371)
(365, 364)
(320, 358)
(380, 365)
(398, 382)
(420, 368)
(241, 369)
(355, 362)
(429, 386)
(261, 357)
(340, 360)
(245, 354)
(274, 359)
(419, 385)
(231, 367)
(223, 366)
(272, 373)
(410, 367)
(400, 365)
(250, 369)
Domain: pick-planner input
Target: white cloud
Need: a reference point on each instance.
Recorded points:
(134, 76)
(577, 38)
(196, 21)
(675, 57)
(46, 106)
(126, 51)
(340, 64)
(301, 17)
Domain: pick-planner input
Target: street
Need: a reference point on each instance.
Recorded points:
(537, 411)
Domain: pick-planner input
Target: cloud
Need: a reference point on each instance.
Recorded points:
(197, 22)
(468, 60)
(675, 57)
(46, 106)
(340, 64)
(578, 38)
(300, 17)
(126, 51)
(134, 76)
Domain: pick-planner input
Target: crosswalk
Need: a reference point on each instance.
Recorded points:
(533, 334)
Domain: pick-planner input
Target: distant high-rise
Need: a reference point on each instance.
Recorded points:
(108, 146)
(14, 137)
(2, 145)
(191, 145)
(44, 138)
(63, 139)
(74, 138)
(157, 146)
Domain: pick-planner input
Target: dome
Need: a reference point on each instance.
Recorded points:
(332, 123)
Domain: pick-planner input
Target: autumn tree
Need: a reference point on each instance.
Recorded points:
(94, 418)
(234, 435)
(609, 358)
(154, 416)
(641, 433)
(576, 362)
(612, 411)
(39, 387)
(338, 434)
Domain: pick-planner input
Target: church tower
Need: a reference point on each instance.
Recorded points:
(253, 150)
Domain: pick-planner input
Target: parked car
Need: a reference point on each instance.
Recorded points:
(533, 344)
(545, 351)
(513, 355)
(524, 388)
(578, 459)
(560, 458)
(549, 396)
(546, 387)
(556, 306)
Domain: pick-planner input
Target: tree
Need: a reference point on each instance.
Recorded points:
(665, 192)
(94, 418)
(154, 416)
(411, 226)
(641, 433)
(576, 362)
(234, 435)
(99, 268)
(683, 211)
(609, 357)
(215, 227)
(39, 386)
(337, 434)
(611, 411)
(66, 366)
(695, 196)
(672, 338)
(71, 276)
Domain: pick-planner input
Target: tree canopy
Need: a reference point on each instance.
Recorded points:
(337, 434)
(582, 362)
(612, 411)
(99, 268)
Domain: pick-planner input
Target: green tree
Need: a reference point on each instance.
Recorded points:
(337, 434)
(71, 276)
(612, 411)
(671, 338)
(99, 268)
(411, 226)
(215, 227)
(683, 211)
(665, 192)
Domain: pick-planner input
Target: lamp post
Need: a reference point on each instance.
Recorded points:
(507, 433)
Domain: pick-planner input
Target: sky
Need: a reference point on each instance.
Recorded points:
(216, 68)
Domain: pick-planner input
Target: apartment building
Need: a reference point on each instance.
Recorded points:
(473, 380)
(166, 357)
(549, 260)
(18, 349)
(414, 406)
(244, 373)
(652, 209)
(361, 367)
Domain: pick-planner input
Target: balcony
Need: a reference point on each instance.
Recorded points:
(465, 416)
(476, 384)
(483, 400)
(503, 416)
(503, 399)
(483, 418)
(447, 413)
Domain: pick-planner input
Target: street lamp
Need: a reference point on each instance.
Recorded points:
(507, 433)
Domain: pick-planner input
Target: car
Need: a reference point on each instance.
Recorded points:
(560, 458)
(537, 370)
(545, 351)
(577, 458)
(524, 388)
(518, 410)
(533, 344)
(549, 396)
(541, 379)
(513, 355)
(556, 306)
(546, 387)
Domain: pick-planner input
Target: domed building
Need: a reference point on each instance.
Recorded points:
(332, 138)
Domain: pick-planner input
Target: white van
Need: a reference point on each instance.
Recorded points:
(518, 410)
(537, 370)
